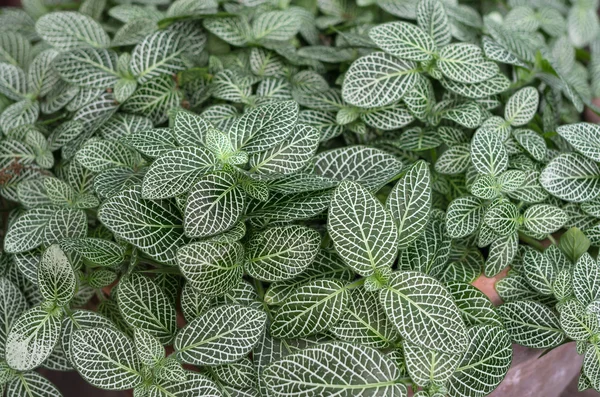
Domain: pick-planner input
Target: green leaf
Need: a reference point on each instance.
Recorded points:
(289, 156)
(153, 142)
(522, 106)
(264, 127)
(106, 358)
(475, 307)
(501, 254)
(573, 243)
(424, 312)
(98, 251)
(410, 203)
(454, 160)
(488, 154)
(233, 30)
(532, 142)
(12, 305)
(484, 364)
(429, 253)
(303, 313)
(362, 230)
(531, 324)
(15, 49)
(77, 320)
(32, 339)
(432, 18)
(403, 40)
(222, 335)
(586, 279)
(27, 231)
(32, 384)
(212, 268)
(572, 177)
(88, 67)
(465, 63)
(464, 216)
(539, 271)
(544, 218)
(334, 368)
(214, 205)
(99, 155)
(56, 278)
(368, 166)
(158, 54)
(153, 226)
(241, 374)
(577, 322)
(275, 25)
(427, 367)
(364, 321)
(503, 218)
(326, 265)
(144, 305)
(13, 83)
(176, 171)
(154, 99)
(70, 30)
(148, 349)
(378, 79)
(584, 137)
(280, 253)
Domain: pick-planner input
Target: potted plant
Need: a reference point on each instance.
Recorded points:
(295, 198)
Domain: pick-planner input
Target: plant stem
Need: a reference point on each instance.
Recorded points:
(532, 242)
(551, 238)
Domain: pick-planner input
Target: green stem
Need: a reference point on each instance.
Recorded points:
(532, 242)
(551, 238)
(355, 284)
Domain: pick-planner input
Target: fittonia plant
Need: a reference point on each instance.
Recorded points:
(311, 185)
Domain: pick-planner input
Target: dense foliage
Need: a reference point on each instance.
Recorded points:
(295, 196)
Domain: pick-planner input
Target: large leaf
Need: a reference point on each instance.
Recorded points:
(362, 230)
(32, 384)
(176, 171)
(465, 63)
(488, 154)
(464, 216)
(364, 321)
(88, 67)
(531, 324)
(311, 309)
(572, 177)
(212, 268)
(70, 30)
(586, 279)
(485, 363)
(56, 278)
(264, 127)
(424, 312)
(154, 226)
(158, 54)
(32, 339)
(214, 205)
(404, 40)
(432, 18)
(334, 369)
(378, 79)
(106, 358)
(429, 367)
(371, 167)
(222, 335)
(145, 305)
(12, 305)
(27, 231)
(410, 203)
(282, 252)
(290, 156)
(584, 137)
(522, 106)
